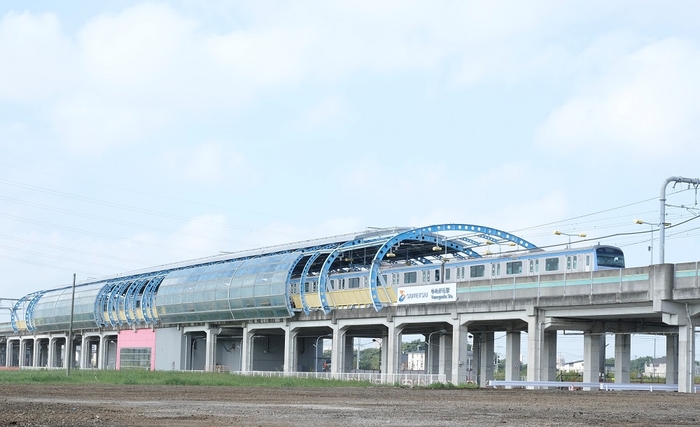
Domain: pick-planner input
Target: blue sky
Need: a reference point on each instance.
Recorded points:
(136, 134)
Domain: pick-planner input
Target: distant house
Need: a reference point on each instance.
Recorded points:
(575, 366)
(415, 361)
(655, 368)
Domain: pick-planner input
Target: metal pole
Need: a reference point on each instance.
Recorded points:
(651, 245)
(662, 211)
(69, 340)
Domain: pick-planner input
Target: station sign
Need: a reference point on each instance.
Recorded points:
(426, 294)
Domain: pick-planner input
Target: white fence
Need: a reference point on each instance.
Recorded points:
(410, 380)
(572, 385)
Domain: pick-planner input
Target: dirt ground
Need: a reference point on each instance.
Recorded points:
(91, 405)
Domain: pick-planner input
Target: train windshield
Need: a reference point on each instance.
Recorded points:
(610, 257)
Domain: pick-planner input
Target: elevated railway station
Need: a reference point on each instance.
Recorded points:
(274, 309)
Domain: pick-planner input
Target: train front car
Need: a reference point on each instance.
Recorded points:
(609, 257)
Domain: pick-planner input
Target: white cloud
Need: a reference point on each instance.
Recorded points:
(37, 58)
(209, 163)
(646, 105)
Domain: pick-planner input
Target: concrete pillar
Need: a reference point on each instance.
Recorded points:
(35, 353)
(549, 350)
(8, 353)
(290, 349)
(686, 358)
(338, 349)
(101, 352)
(210, 350)
(539, 346)
(391, 350)
(486, 358)
(52, 352)
(348, 356)
(591, 358)
(22, 352)
(672, 359)
(84, 351)
(246, 350)
(512, 365)
(623, 349)
(460, 354)
(442, 354)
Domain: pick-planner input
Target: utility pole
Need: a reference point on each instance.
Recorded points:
(662, 210)
(69, 340)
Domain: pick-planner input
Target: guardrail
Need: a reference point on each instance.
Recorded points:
(408, 380)
(572, 385)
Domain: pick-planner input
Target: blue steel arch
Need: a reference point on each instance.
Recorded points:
(335, 253)
(29, 312)
(148, 297)
(425, 232)
(288, 281)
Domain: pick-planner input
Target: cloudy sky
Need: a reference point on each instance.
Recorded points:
(134, 134)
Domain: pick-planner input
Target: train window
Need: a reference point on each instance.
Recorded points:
(463, 275)
(447, 273)
(493, 269)
(498, 269)
(394, 278)
(588, 260)
(568, 263)
(354, 283)
(364, 281)
(477, 271)
(422, 277)
(575, 262)
(410, 277)
(532, 266)
(551, 264)
(306, 287)
(515, 267)
(314, 287)
(342, 283)
(437, 275)
(332, 284)
(537, 266)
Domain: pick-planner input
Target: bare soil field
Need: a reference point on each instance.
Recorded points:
(109, 405)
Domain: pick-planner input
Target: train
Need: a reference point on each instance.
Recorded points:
(347, 288)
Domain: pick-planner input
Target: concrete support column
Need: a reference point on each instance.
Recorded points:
(538, 349)
(460, 354)
(623, 349)
(512, 356)
(84, 351)
(210, 350)
(35, 353)
(246, 350)
(22, 352)
(52, 352)
(486, 346)
(591, 358)
(338, 350)
(686, 357)
(391, 350)
(101, 352)
(672, 359)
(8, 353)
(348, 356)
(550, 356)
(290, 349)
(442, 354)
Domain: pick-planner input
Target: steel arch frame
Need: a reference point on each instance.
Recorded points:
(430, 231)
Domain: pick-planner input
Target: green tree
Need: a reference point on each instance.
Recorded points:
(411, 346)
(370, 359)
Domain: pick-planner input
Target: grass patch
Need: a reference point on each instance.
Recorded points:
(137, 377)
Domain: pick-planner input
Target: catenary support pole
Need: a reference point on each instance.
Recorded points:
(662, 211)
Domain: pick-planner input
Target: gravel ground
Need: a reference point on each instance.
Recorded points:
(107, 405)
